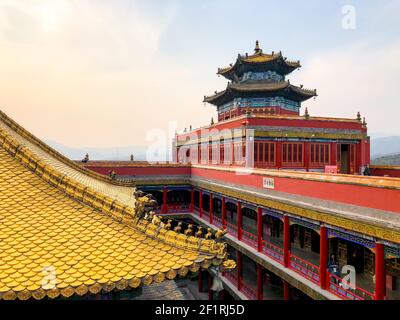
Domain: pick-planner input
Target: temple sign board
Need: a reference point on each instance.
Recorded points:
(331, 169)
(269, 183)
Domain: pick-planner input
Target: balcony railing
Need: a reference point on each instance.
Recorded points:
(337, 287)
(272, 251)
(232, 229)
(174, 208)
(305, 268)
(217, 221)
(249, 238)
(248, 290)
(231, 277)
(300, 266)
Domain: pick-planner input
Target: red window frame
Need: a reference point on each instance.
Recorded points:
(292, 154)
(320, 154)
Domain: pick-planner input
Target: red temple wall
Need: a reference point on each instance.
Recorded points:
(349, 193)
(366, 196)
(385, 171)
(141, 170)
(301, 123)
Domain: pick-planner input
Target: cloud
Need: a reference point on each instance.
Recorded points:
(93, 70)
(361, 77)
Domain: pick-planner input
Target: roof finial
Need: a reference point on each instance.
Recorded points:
(257, 48)
(306, 114)
(364, 123)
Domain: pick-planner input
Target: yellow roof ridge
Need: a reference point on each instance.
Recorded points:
(101, 202)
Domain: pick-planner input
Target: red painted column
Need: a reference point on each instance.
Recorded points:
(260, 289)
(358, 157)
(239, 270)
(333, 154)
(259, 229)
(323, 258)
(239, 220)
(286, 291)
(201, 204)
(192, 200)
(307, 147)
(200, 283)
(223, 213)
(278, 154)
(165, 204)
(211, 208)
(286, 241)
(380, 272)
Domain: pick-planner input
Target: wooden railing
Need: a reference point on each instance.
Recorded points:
(305, 268)
(217, 221)
(174, 208)
(248, 290)
(231, 277)
(300, 266)
(272, 251)
(249, 238)
(231, 228)
(337, 287)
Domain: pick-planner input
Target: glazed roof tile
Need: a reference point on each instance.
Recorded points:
(65, 231)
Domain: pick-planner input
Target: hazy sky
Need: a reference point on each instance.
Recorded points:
(103, 73)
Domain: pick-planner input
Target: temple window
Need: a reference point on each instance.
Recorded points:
(268, 75)
(320, 154)
(264, 153)
(292, 153)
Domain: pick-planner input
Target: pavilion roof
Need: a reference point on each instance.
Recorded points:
(65, 230)
(259, 60)
(281, 88)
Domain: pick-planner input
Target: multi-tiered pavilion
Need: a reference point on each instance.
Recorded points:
(260, 99)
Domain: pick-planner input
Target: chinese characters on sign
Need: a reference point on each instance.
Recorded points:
(269, 183)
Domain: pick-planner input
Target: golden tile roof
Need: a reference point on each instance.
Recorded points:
(64, 231)
(259, 58)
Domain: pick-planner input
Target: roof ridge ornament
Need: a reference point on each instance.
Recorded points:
(306, 114)
(257, 48)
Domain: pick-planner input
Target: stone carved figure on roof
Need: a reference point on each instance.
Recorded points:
(208, 234)
(220, 233)
(168, 226)
(199, 233)
(156, 220)
(178, 228)
(189, 231)
(86, 158)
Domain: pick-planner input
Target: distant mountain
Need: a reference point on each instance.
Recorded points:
(385, 146)
(393, 160)
(120, 153)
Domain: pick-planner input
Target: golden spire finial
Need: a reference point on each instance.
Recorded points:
(257, 48)
(306, 114)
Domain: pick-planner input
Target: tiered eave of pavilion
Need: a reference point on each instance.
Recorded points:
(262, 89)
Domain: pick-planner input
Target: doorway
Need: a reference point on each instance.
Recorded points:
(355, 256)
(344, 158)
